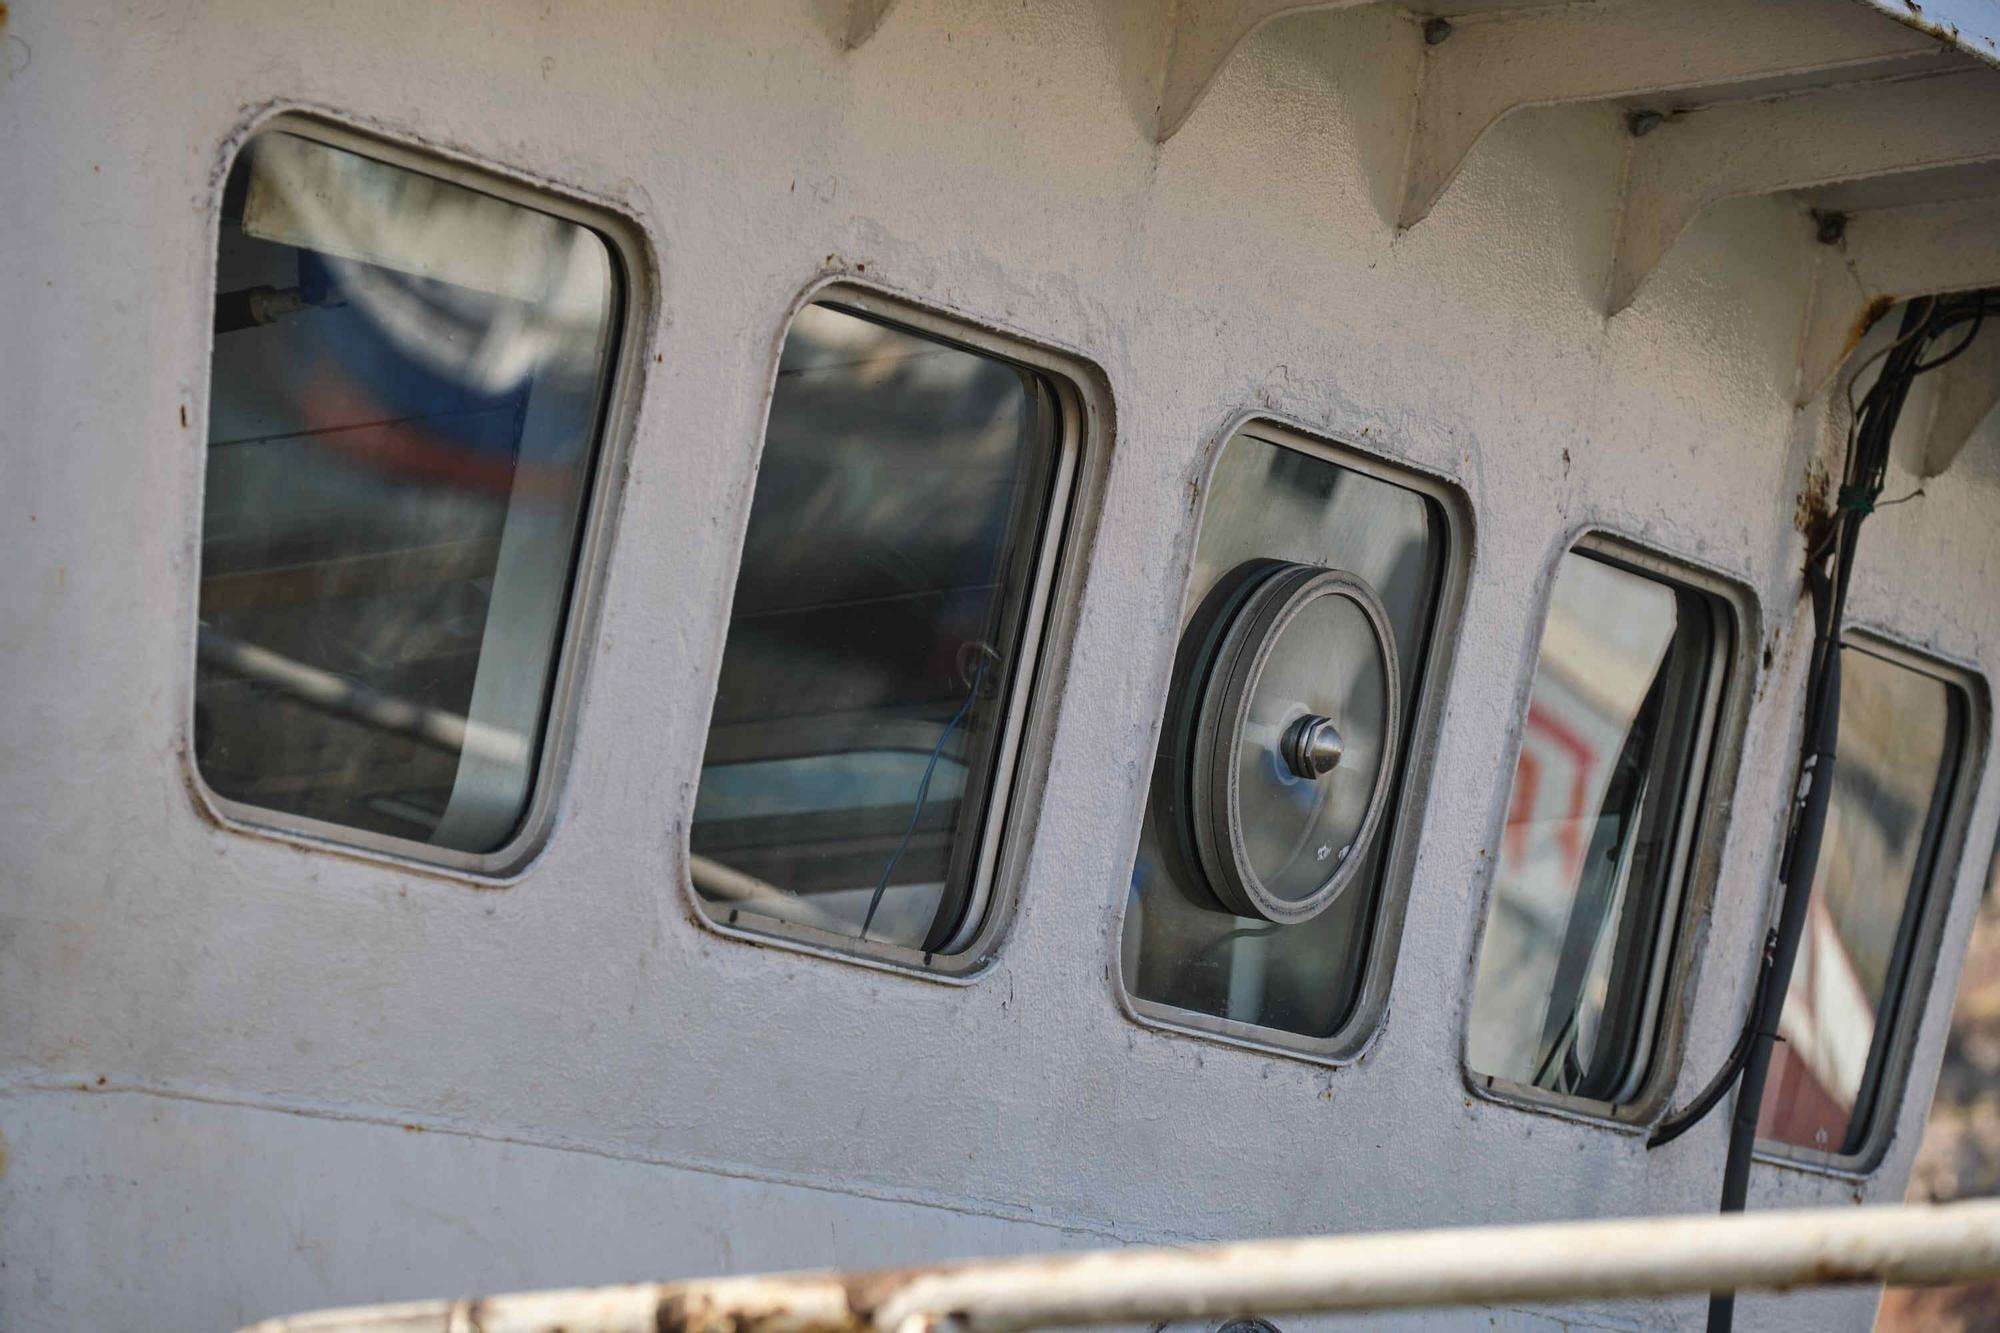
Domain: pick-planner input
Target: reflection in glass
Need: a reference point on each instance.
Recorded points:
(877, 635)
(1268, 502)
(1899, 741)
(1587, 878)
(407, 381)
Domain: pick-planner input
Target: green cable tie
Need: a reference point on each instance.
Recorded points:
(1859, 499)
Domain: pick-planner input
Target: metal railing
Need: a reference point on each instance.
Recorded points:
(1555, 1263)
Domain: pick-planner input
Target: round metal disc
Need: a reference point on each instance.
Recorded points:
(1307, 644)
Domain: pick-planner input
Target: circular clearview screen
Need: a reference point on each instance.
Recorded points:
(1293, 743)
(1299, 828)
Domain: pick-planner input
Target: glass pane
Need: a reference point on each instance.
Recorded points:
(1269, 502)
(408, 376)
(877, 633)
(1572, 965)
(1898, 734)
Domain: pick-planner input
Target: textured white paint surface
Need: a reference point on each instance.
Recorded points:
(612, 1090)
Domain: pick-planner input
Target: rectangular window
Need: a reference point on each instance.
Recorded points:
(408, 386)
(882, 638)
(1883, 866)
(1264, 903)
(1590, 872)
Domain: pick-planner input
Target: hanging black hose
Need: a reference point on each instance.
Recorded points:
(1829, 567)
(1803, 855)
(1795, 866)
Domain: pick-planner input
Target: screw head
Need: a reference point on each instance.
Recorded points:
(1831, 228)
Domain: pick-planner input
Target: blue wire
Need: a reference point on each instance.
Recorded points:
(923, 791)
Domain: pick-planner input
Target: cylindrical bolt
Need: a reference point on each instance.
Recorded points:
(1312, 747)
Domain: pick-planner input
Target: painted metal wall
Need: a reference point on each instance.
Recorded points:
(241, 1077)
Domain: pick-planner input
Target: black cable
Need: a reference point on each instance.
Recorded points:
(1793, 868)
(1867, 462)
(1776, 983)
(1926, 321)
(1829, 567)
(1978, 319)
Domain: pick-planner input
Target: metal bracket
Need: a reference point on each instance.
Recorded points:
(1200, 41)
(863, 18)
(1843, 133)
(1890, 255)
(1707, 50)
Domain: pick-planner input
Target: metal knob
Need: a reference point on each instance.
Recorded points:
(1312, 748)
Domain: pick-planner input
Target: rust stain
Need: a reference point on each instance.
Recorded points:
(695, 1310)
(1815, 503)
(1877, 307)
(869, 1292)
(1833, 1271)
(1944, 31)
(806, 1303)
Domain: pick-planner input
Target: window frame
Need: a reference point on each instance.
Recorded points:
(1940, 884)
(634, 274)
(1015, 790)
(1409, 796)
(1701, 827)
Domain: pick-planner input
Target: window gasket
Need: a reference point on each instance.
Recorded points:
(1369, 1017)
(1083, 411)
(1701, 828)
(634, 271)
(1933, 890)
